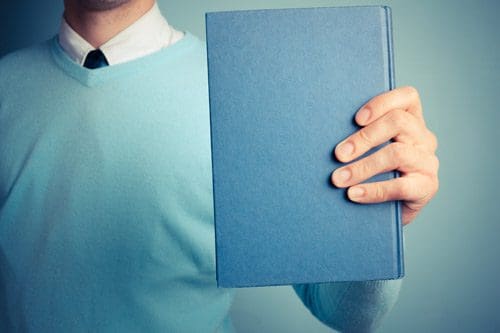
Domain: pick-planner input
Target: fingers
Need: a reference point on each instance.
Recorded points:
(417, 185)
(412, 189)
(415, 191)
(405, 98)
(395, 115)
(397, 124)
(395, 156)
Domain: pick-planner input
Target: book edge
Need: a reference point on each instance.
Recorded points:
(400, 272)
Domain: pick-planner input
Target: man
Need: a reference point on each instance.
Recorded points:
(105, 182)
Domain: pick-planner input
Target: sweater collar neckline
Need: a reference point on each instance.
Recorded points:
(91, 77)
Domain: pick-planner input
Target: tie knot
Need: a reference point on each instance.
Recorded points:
(95, 59)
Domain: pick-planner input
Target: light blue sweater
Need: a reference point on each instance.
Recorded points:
(106, 221)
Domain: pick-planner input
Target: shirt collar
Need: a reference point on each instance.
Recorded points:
(148, 34)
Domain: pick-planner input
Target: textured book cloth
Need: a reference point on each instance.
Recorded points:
(284, 87)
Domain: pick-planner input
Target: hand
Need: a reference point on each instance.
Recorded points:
(395, 115)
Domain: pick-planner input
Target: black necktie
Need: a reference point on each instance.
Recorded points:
(95, 59)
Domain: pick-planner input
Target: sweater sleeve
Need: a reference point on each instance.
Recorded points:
(353, 306)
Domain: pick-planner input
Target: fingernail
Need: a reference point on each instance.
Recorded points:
(362, 116)
(345, 149)
(341, 175)
(356, 192)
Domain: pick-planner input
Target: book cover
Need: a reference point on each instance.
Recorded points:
(284, 86)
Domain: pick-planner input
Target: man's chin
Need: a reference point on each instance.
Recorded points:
(101, 5)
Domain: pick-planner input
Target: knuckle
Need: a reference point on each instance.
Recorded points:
(435, 164)
(405, 189)
(365, 137)
(429, 165)
(427, 189)
(412, 92)
(433, 141)
(434, 183)
(400, 119)
(379, 193)
(430, 190)
(362, 169)
(399, 152)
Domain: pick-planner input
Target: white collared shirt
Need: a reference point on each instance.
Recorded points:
(148, 34)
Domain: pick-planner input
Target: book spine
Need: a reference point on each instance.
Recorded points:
(392, 84)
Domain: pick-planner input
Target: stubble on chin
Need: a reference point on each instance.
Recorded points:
(102, 5)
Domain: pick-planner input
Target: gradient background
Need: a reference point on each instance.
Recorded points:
(450, 51)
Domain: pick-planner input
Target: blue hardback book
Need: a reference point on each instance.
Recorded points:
(284, 86)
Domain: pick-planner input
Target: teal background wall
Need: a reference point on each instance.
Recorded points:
(450, 51)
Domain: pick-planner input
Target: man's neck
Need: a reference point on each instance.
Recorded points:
(97, 27)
